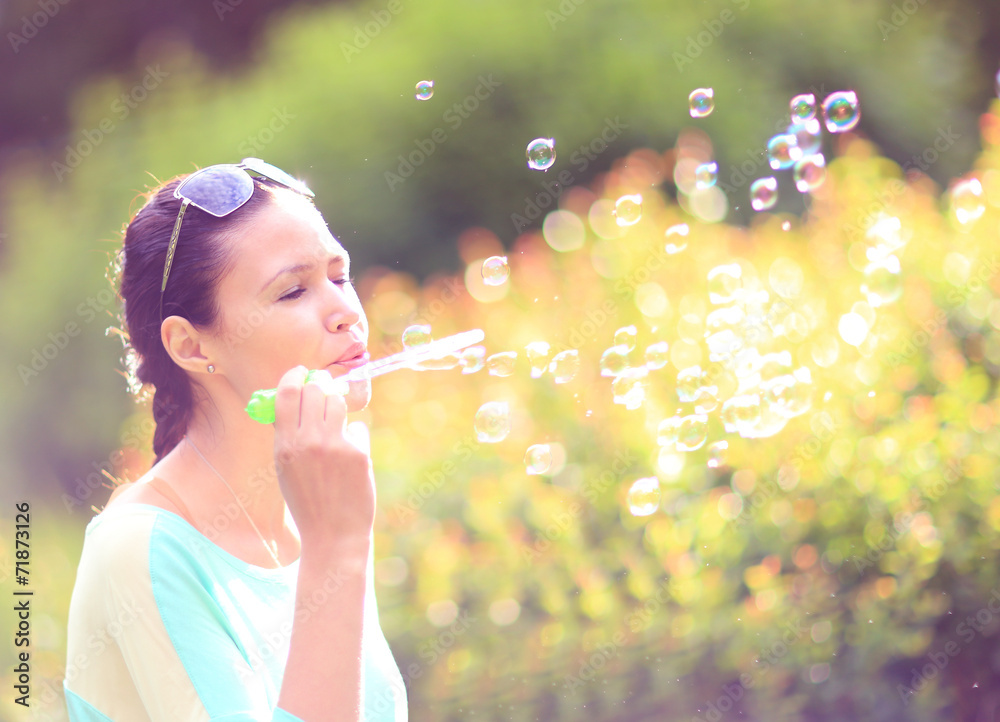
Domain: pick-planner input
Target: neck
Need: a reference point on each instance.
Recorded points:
(241, 451)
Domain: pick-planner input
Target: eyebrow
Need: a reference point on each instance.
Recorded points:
(300, 267)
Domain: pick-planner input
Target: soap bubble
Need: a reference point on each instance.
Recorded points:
(763, 193)
(538, 458)
(628, 210)
(782, 151)
(538, 357)
(564, 366)
(541, 153)
(809, 173)
(628, 387)
(853, 328)
(724, 283)
(644, 496)
(689, 383)
(692, 432)
(741, 413)
(883, 282)
(614, 361)
(495, 270)
(493, 422)
(677, 238)
(967, 200)
(787, 397)
(841, 111)
(666, 432)
(501, 364)
(625, 336)
(808, 136)
(718, 452)
(705, 175)
(425, 90)
(472, 359)
(656, 355)
(416, 335)
(803, 107)
(701, 102)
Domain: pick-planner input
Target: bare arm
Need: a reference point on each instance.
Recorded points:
(328, 485)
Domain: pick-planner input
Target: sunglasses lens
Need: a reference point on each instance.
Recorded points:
(218, 190)
(276, 174)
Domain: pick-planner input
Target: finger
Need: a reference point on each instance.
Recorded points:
(314, 394)
(288, 399)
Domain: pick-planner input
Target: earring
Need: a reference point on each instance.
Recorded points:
(211, 369)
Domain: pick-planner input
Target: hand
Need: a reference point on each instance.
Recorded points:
(326, 480)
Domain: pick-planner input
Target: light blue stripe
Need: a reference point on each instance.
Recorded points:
(81, 710)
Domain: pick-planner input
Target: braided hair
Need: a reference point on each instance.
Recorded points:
(205, 254)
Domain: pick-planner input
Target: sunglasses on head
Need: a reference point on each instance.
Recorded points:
(220, 190)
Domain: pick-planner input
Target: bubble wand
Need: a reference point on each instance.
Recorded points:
(261, 406)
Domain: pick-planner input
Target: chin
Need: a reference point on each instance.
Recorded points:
(358, 395)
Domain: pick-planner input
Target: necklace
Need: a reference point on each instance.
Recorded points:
(267, 546)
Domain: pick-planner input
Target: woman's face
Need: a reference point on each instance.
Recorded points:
(288, 301)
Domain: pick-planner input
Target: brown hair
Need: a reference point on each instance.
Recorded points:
(205, 254)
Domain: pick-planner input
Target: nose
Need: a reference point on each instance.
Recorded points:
(343, 308)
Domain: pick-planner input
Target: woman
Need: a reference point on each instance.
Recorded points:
(233, 581)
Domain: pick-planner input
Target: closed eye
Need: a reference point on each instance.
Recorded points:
(299, 291)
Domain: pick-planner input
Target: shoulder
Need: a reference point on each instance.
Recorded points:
(147, 490)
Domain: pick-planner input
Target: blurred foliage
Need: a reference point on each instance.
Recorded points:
(514, 596)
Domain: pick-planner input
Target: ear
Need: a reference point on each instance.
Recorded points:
(184, 343)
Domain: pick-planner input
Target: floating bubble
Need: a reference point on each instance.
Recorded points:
(689, 382)
(701, 102)
(692, 432)
(656, 355)
(564, 366)
(967, 200)
(808, 136)
(677, 238)
(764, 193)
(541, 153)
(501, 364)
(841, 111)
(495, 271)
(741, 413)
(472, 359)
(628, 210)
(724, 283)
(493, 422)
(538, 458)
(706, 175)
(720, 318)
(809, 173)
(803, 107)
(782, 151)
(629, 388)
(614, 361)
(625, 336)
(883, 281)
(416, 335)
(666, 432)
(425, 90)
(852, 328)
(723, 345)
(706, 401)
(786, 277)
(718, 453)
(787, 396)
(538, 357)
(644, 496)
